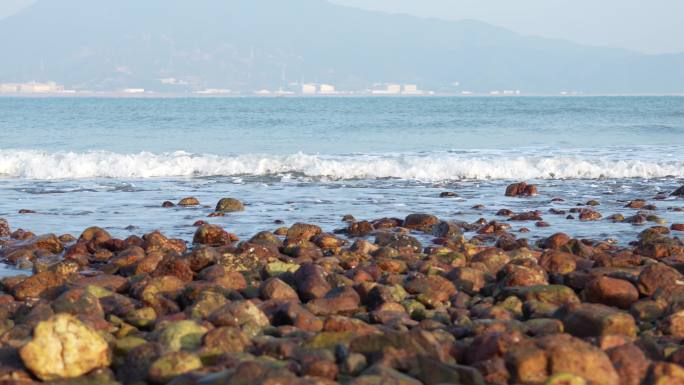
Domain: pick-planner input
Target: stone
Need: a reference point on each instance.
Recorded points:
(527, 364)
(521, 189)
(420, 222)
(242, 314)
(432, 290)
(172, 365)
(64, 347)
(213, 235)
(275, 288)
(678, 192)
(42, 285)
(181, 335)
(630, 363)
(673, 325)
(589, 215)
(229, 205)
(4, 229)
(189, 201)
(224, 340)
(555, 241)
(303, 231)
(359, 229)
(658, 276)
(558, 262)
(593, 320)
(572, 356)
(565, 379)
(611, 291)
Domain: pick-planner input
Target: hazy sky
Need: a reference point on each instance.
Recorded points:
(653, 26)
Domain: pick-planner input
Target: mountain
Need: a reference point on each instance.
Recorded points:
(253, 44)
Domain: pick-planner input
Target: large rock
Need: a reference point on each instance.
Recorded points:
(64, 347)
(593, 320)
(574, 356)
(421, 222)
(42, 285)
(181, 335)
(612, 292)
(229, 205)
(521, 189)
(213, 235)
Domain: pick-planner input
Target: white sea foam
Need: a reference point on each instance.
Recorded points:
(33, 164)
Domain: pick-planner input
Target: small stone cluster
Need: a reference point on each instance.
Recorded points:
(367, 304)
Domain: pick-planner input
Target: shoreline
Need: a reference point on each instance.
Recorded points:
(412, 300)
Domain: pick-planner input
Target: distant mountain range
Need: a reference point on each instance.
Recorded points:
(180, 45)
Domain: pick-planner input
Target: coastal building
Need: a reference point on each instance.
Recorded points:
(213, 91)
(412, 89)
(31, 88)
(309, 89)
(134, 91)
(327, 89)
(392, 89)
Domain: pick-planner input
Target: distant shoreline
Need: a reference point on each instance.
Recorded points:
(155, 95)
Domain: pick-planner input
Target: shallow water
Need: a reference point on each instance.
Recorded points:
(111, 162)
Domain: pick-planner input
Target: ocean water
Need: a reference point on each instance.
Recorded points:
(111, 162)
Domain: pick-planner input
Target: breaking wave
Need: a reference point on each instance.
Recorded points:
(442, 166)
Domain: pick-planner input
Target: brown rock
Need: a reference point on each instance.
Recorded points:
(420, 222)
(558, 262)
(611, 292)
(630, 363)
(527, 364)
(302, 231)
(228, 205)
(574, 356)
(592, 320)
(42, 285)
(274, 288)
(555, 241)
(4, 229)
(673, 325)
(213, 235)
(658, 276)
(521, 189)
(189, 201)
(589, 215)
(360, 229)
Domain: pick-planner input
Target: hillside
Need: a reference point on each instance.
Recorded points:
(252, 44)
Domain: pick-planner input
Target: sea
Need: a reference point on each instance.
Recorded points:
(111, 162)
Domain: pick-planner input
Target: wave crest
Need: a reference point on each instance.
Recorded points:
(33, 164)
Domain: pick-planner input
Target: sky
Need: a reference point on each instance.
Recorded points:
(650, 26)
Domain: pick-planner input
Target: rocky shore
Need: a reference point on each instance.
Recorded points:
(395, 301)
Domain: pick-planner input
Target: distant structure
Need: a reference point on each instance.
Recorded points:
(263, 92)
(31, 88)
(505, 93)
(392, 89)
(327, 89)
(213, 91)
(282, 92)
(134, 91)
(309, 89)
(412, 89)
